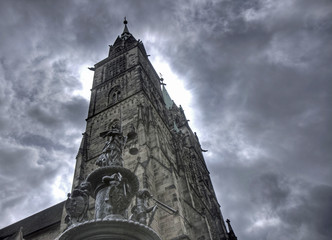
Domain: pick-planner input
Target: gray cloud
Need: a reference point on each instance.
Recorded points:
(260, 77)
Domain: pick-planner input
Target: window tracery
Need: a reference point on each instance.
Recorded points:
(114, 95)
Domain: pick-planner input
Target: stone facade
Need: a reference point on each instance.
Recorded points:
(160, 148)
(135, 129)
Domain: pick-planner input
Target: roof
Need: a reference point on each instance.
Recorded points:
(38, 221)
(167, 99)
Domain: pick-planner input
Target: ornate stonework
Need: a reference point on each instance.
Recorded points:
(113, 187)
(140, 172)
(137, 138)
(77, 204)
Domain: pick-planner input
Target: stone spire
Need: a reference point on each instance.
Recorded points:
(125, 34)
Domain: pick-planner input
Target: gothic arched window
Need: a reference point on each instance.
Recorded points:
(114, 95)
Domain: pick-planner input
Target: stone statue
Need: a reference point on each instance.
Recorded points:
(112, 151)
(77, 204)
(141, 209)
(112, 199)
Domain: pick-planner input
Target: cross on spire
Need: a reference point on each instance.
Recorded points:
(125, 34)
(161, 79)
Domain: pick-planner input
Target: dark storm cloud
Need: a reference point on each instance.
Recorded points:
(260, 76)
(26, 173)
(41, 121)
(262, 83)
(312, 212)
(40, 141)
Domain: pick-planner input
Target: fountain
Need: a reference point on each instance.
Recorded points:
(113, 188)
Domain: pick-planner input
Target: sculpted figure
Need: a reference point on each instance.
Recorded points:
(112, 151)
(77, 204)
(141, 209)
(112, 200)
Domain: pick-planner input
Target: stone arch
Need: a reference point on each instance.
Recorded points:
(115, 122)
(114, 95)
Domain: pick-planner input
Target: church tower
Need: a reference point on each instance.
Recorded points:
(159, 146)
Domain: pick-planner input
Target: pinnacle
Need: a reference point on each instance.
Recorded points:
(125, 30)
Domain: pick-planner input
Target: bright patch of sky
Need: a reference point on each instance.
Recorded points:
(86, 78)
(174, 85)
(61, 187)
(264, 222)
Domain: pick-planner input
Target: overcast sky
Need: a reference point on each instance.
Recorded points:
(257, 81)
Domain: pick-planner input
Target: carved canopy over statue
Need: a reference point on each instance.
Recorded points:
(112, 151)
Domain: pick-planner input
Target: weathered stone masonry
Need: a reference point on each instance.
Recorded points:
(169, 162)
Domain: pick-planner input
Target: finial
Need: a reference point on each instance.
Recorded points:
(126, 34)
(231, 234)
(229, 225)
(161, 79)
